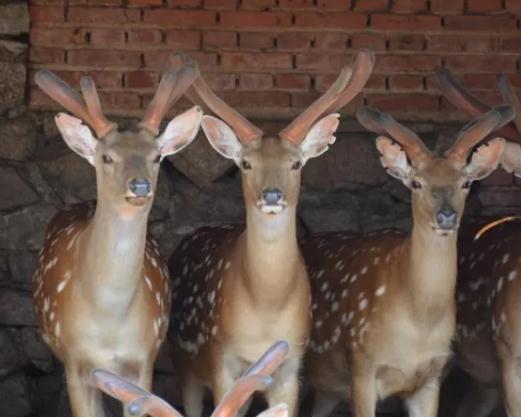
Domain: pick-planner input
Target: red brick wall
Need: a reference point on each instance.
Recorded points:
(270, 58)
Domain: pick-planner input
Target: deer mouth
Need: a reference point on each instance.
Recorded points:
(440, 231)
(137, 201)
(272, 208)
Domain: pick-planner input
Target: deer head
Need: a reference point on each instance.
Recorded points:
(271, 166)
(139, 402)
(126, 163)
(439, 185)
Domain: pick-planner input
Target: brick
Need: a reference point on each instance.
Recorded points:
(322, 61)
(46, 14)
(292, 81)
(183, 39)
(444, 43)
(184, 4)
(260, 99)
(484, 6)
(404, 23)
(220, 82)
(184, 18)
(407, 63)
(98, 15)
(301, 4)
(403, 102)
(104, 58)
(107, 37)
(406, 42)
(57, 36)
(102, 79)
(294, 40)
(376, 82)
(481, 23)
(303, 100)
(331, 40)
(480, 63)
(498, 177)
(410, 6)
(513, 6)
(335, 4)
(371, 5)
(144, 3)
(246, 19)
(219, 4)
(213, 39)
(510, 44)
(256, 40)
(39, 100)
(339, 20)
(258, 4)
(473, 81)
(237, 60)
(39, 55)
(504, 196)
(144, 36)
(447, 6)
(120, 101)
(479, 44)
(491, 97)
(158, 58)
(141, 79)
(255, 81)
(99, 2)
(373, 41)
(401, 83)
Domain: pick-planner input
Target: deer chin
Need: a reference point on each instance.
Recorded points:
(444, 232)
(137, 201)
(272, 209)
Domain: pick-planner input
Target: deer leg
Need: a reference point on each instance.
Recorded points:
(85, 401)
(363, 390)
(285, 386)
(323, 404)
(142, 378)
(478, 401)
(511, 386)
(424, 402)
(228, 371)
(192, 392)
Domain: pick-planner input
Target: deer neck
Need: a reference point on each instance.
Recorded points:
(432, 268)
(271, 254)
(113, 250)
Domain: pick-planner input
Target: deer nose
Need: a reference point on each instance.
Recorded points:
(271, 195)
(140, 188)
(446, 218)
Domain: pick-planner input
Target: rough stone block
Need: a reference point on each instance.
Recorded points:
(15, 19)
(16, 308)
(12, 85)
(14, 191)
(17, 138)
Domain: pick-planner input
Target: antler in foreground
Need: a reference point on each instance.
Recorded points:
(140, 402)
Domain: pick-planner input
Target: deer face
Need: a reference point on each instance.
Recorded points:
(439, 186)
(270, 167)
(127, 163)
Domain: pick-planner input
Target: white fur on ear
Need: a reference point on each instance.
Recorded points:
(486, 159)
(222, 138)
(180, 132)
(511, 158)
(393, 158)
(77, 136)
(319, 137)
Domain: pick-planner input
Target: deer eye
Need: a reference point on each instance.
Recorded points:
(157, 159)
(416, 185)
(245, 165)
(296, 165)
(466, 185)
(107, 159)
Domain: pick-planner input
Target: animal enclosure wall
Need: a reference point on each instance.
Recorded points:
(269, 58)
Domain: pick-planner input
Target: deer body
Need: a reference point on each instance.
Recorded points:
(383, 303)
(101, 289)
(240, 290)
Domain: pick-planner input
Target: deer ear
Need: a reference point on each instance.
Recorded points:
(77, 136)
(319, 137)
(180, 132)
(393, 158)
(511, 158)
(222, 138)
(485, 159)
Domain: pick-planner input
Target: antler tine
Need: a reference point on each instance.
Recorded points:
(139, 401)
(347, 85)
(200, 93)
(102, 125)
(235, 398)
(270, 361)
(383, 124)
(62, 93)
(510, 96)
(159, 105)
(478, 129)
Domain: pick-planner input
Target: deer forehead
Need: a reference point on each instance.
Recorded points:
(130, 143)
(439, 171)
(272, 149)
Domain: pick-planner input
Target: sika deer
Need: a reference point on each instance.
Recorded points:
(383, 303)
(101, 289)
(239, 290)
(488, 336)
